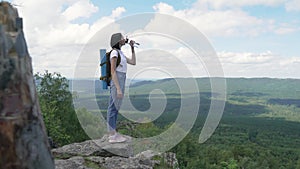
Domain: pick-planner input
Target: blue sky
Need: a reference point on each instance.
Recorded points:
(251, 38)
(137, 6)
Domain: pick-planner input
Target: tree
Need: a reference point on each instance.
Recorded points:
(252, 135)
(58, 110)
(232, 164)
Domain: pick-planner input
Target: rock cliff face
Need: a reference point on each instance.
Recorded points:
(100, 154)
(23, 140)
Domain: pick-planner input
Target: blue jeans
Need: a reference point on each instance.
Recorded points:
(114, 102)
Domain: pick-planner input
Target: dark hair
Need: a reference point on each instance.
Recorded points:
(117, 46)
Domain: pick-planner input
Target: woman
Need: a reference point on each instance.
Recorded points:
(117, 84)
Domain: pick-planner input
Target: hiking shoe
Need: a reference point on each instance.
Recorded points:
(116, 139)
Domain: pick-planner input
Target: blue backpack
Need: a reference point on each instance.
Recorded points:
(106, 68)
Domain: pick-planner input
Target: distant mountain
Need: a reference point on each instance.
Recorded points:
(268, 87)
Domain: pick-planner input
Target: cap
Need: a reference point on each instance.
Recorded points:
(115, 38)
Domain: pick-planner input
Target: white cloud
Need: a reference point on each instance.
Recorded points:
(82, 8)
(181, 62)
(293, 5)
(55, 41)
(225, 18)
(221, 4)
(163, 8)
(290, 5)
(233, 22)
(246, 57)
(266, 64)
(285, 30)
(118, 12)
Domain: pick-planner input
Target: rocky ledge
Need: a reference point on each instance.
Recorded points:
(100, 154)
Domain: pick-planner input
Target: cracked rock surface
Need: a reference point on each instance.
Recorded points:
(94, 154)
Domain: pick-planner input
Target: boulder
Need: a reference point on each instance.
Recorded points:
(100, 147)
(100, 153)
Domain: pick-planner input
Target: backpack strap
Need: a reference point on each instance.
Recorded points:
(119, 57)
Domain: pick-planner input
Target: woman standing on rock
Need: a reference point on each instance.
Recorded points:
(118, 63)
